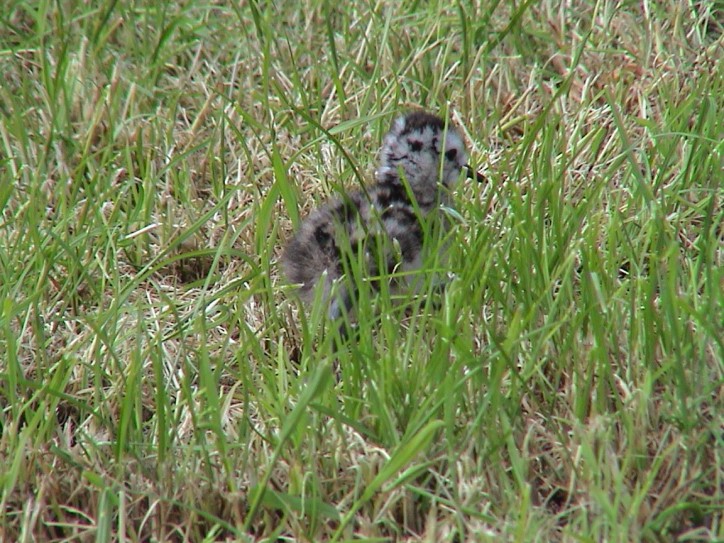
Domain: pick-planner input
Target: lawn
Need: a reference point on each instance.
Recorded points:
(160, 381)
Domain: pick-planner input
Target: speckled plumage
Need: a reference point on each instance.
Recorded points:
(382, 226)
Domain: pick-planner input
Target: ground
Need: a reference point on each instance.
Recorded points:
(159, 380)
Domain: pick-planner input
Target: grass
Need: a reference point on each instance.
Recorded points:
(159, 381)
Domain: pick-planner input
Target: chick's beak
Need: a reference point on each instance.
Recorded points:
(473, 174)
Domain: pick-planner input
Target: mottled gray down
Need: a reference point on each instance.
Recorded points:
(383, 226)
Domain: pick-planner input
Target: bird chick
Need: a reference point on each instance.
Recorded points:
(384, 226)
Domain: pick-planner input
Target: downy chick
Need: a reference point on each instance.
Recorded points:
(383, 227)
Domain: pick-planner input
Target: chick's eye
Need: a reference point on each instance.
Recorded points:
(416, 145)
(451, 154)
